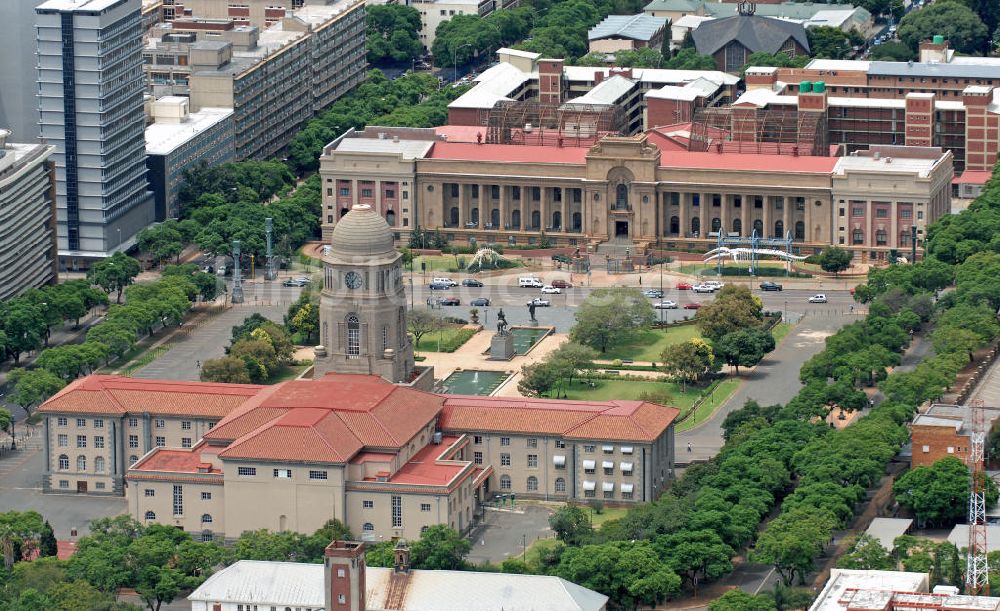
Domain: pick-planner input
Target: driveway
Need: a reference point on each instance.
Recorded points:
(505, 535)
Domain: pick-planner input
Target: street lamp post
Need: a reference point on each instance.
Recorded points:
(454, 57)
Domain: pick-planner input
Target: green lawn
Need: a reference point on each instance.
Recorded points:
(288, 372)
(607, 514)
(780, 331)
(448, 339)
(649, 345)
(707, 408)
(606, 390)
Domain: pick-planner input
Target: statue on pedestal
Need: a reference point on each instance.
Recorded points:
(501, 323)
(531, 311)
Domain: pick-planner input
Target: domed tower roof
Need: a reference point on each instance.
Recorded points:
(360, 232)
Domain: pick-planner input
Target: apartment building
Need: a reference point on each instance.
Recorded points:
(91, 109)
(435, 12)
(177, 140)
(627, 33)
(27, 217)
(259, 13)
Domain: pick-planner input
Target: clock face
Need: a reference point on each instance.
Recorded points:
(353, 280)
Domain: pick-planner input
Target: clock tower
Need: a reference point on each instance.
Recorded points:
(362, 315)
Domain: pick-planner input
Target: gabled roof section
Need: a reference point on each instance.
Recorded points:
(106, 394)
(634, 27)
(754, 32)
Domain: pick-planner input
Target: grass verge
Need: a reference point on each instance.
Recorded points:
(648, 345)
(707, 407)
(448, 339)
(143, 360)
(780, 330)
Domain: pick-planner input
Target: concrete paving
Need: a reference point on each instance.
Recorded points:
(988, 389)
(505, 535)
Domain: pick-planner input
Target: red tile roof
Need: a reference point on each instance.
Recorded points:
(599, 420)
(105, 394)
(747, 161)
(972, 177)
(509, 153)
(425, 470)
(174, 461)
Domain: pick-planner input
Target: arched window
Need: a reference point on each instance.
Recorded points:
(81, 463)
(536, 219)
(423, 529)
(99, 464)
(505, 482)
(150, 515)
(758, 226)
(716, 224)
(63, 462)
(532, 483)
(621, 196)
(206, 518)
(779, 229)
(495, 217)
(132, 460)
(557, 220)
(577, 221)
(881, 237)
(800, 230)
(695, 225)
(474, 216)
(560, 484)
(343, 211)
(515, 219)
(858, 237)
(353, 337)
(368, 527)
(390, 218)
(738, 226)
(675, 225)
(453, 216)
(904, 237)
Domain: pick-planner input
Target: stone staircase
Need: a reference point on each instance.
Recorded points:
(617, 248)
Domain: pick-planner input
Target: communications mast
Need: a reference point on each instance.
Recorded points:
(977, 566)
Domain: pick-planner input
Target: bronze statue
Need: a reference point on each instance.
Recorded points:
(501, 323)
(531, 310)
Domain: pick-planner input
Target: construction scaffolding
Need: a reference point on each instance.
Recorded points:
(770, 131)
(534, 123)
(977, 569)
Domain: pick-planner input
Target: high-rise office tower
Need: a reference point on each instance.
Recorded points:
(18, 106)
(90, 100)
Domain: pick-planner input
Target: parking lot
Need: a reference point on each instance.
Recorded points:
(505, 534)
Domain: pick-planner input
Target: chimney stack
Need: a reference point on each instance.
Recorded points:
(344, 564)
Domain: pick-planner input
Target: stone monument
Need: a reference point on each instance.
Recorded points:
(502, 343)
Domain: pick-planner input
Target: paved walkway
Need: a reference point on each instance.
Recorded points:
(988, 389)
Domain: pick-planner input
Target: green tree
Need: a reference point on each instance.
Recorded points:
(391, 33)
(829, 42)
(688, 361)
(117, 335)
(867, 553)
(793, 540)
(738, 600)
(538, 379)
(937, 494)
(835, 259)
(571, 524)
(734, 308)
(689, 59)
(611, 316)
(440, 548)
(892, 51)
(745, 347)
(775, 60)
(960, 26)
(696, 555)
(114, 273)
(248, 326)
(228, 369)
(630, 573)
(573, 357)
(47, 545)
(24, 326)
(420, 322)
(32, 387)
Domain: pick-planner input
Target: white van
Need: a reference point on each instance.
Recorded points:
(529, 282)
(448, 281)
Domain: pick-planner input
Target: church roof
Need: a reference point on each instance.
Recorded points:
(361, 232)
(756, 33)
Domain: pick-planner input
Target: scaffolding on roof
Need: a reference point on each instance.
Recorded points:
(770, 131)
(535, 123)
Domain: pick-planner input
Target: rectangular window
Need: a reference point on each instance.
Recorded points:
(366, 192)
(99, 485)
(246, 471)
(368, 504)
(505, 441)
(98, 441)
(532, 461)
(64, 483)
(81, 441)
(906, 213)
(161, 442)
(589, 449)
(98, 423)
(532, 442)
(185, 442)
(133, 441)
(160, 423)
(560, 443)
(609, 494)
(505, 460)
(920, 215)
(397, 511)
(627, 495)
(149, 492)
(206, 496)
(133, 422)
(477, 439)
(881, 213)
(344, 191)
(477, 457)
(178, 500)
(63, 441)
(186, 425)
(858, 211)
(283, 473)
(61, 421)
(589, 493)
(317, 475)
(841, 212)
(425, 506)
(81, 422)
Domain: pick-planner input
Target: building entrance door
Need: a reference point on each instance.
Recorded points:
(621, 229)
(81, 487)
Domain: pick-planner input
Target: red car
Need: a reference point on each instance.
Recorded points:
(694, 305)
(561, 284)
(683, 286)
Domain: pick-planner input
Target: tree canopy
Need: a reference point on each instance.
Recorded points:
(611, 316)
(960, 26)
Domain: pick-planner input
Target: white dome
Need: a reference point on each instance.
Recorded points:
(362, 231)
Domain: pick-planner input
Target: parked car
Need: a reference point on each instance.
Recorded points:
(694, 305)
(293, 282)
(303, 279)
(703, 288)
(529, 282)
(447, 281)
(471, 282)
(818, 298)
(653, 293)
(684, 286)
(770, 286)
(561, 284)
(480, 302)
(538, 302)
(715, 284)
(450, 301)
(548, 289)
(440, 286)
(665, 305)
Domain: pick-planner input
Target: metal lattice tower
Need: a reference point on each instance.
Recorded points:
(977, 566)
(269, 272)
(237, 272)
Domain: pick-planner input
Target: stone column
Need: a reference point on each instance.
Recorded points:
(703, 208)
(461, 206)
(724, 216)
(544, 207)
(564, 223)
(355, 191)
(893, 241)
(682, 214)
(745, 218)
(502, 205)
(869, 224)
(786, 215)
(768, 229)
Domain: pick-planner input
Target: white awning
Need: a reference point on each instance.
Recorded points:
(608, 464)
(589, 485)
(589, 464)
(626, 487)
(559, 461)
(626, 466)
(609, 449)
(608, 486)
(626, 449)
